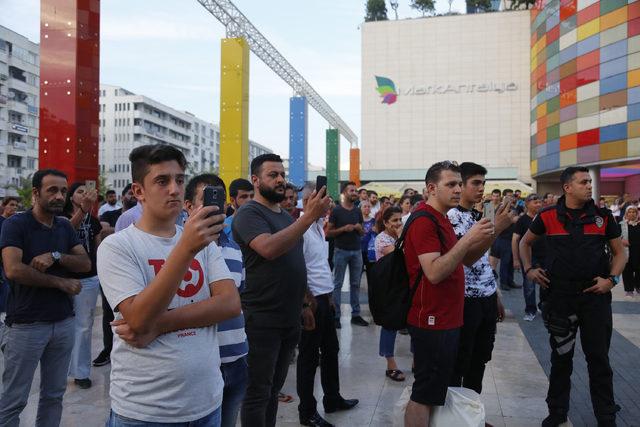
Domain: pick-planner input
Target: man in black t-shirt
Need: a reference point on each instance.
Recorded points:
(579, 275)
(40, 252)
(345, 226)
(533, 204)
(276, 280)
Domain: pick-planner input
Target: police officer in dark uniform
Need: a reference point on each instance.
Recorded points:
(579, 274)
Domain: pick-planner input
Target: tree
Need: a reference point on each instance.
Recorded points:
(424, 6)
(394, 5)
(102, 185)
(376, 11)
(24, 191)
(482, 5)
(519, 4)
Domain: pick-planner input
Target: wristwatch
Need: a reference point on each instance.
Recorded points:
(57, 256)
(614, 279)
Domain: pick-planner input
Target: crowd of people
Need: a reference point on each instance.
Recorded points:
(203, 309)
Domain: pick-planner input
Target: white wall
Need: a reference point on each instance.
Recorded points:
(419, 129)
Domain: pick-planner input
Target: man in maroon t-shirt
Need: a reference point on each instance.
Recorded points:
(436, 313)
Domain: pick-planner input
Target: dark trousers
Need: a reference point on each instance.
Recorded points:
(366, 264)
(107, 318)
(476, 341)
(502, 248)
(591, 314)
(323, 340)
(631, 277)
(270, 351)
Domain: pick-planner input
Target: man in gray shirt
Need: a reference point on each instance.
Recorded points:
(276, 280)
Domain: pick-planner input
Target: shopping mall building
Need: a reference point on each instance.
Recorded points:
(525, 93)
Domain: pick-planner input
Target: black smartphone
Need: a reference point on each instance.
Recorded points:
(321, 181)
(214, 196)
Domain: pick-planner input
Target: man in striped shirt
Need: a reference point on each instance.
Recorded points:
(231, 335)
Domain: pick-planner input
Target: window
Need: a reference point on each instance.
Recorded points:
(31, 163)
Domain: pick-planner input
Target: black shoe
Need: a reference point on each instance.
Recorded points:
(554, 420)
(83, 383)
(357, 320)
(338, 325)
(341, 405)
(315, 420)
(103, 359)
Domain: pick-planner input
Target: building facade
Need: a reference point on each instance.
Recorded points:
(19, 109)
(128, 120)
(446, 88)
(585, 92)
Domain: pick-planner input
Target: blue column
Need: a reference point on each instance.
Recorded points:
(298, 126)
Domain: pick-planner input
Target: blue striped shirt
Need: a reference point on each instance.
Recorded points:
(231, 336)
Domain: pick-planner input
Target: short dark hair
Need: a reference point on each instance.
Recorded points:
(567, 175)
(496, 191)
(36, 180)
(290, 186)
(146, 155)
(206, 179)
(239, 184)
(110, 192)
(363, 189)
(434, 172)
(126, 189)
(370, 192)
(346, 184)
(416, 198)
(469, 169)
(403, 198)
(256, 163)
(9, 199)
(506, 191)
(518, 191)
(384, 199)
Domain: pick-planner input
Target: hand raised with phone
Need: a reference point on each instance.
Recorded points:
(202, 228)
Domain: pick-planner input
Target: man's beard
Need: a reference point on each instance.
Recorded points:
(129, 203)
(271, 194)
(54, 208)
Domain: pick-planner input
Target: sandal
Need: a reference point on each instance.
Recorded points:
(395, 374)
(284, 398)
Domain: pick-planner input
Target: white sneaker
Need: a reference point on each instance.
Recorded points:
(628, 295)
(529, 317)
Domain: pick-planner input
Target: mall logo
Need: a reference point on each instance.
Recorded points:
(389, 93)
(387, 90)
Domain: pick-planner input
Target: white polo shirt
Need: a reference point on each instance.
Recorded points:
(316, 256)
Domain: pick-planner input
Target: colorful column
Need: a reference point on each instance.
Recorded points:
(70, 87)
(298, 126)
(234, 109)
(354, 166)
(333, 163)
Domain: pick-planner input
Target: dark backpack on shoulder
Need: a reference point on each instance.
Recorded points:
(390, 295)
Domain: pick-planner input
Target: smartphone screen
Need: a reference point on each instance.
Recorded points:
(90, 185)
(321, 181)
(214, 196)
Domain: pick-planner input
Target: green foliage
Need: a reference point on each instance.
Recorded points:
(424, 6)
(24, 191)
(376, 11)
(483, 5)
(522, 4)
(102, 185)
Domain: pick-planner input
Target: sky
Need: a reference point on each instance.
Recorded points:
(169, 50)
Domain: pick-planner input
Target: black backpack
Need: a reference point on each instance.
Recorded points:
(390, 295)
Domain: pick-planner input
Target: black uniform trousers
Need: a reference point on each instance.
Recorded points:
(319, 346)
(591, 314)
(107, 318)
(477, 336)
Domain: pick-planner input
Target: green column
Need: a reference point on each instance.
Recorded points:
(333, 163)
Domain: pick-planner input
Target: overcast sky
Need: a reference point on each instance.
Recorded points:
(169, 50)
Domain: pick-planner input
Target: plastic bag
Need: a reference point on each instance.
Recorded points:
(462, 408)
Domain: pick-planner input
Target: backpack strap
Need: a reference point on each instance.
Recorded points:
(400, 242)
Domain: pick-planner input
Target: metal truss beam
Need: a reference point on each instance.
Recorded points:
(237, 25)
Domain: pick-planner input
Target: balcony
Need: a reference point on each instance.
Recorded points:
(20, 145)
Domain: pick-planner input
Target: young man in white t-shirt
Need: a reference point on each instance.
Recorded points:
(169, 286)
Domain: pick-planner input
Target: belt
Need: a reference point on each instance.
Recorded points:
(324, 296)
(569, 286)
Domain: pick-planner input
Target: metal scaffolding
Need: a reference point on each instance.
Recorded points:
(237, 25)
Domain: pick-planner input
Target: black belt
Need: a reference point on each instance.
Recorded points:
(570, 286)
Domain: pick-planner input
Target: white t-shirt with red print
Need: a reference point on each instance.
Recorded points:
(177, 377)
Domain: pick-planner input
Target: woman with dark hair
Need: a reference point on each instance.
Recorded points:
(77, 208)
(631, 241)
(389, 226)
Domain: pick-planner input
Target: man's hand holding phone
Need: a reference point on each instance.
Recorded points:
(202, 228)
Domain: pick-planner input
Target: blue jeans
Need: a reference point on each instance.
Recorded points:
(235, 378)
(342, 259)
(503, 251)
(24, 346)
(529, 291)
(387, 342)
(211, 420)
(84, 305)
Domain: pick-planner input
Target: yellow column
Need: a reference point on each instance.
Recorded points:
(234, 110)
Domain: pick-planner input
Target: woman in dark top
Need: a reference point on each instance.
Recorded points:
(78, 207)
(631, 241)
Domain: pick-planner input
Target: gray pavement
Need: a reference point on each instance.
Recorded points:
(514, 387)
